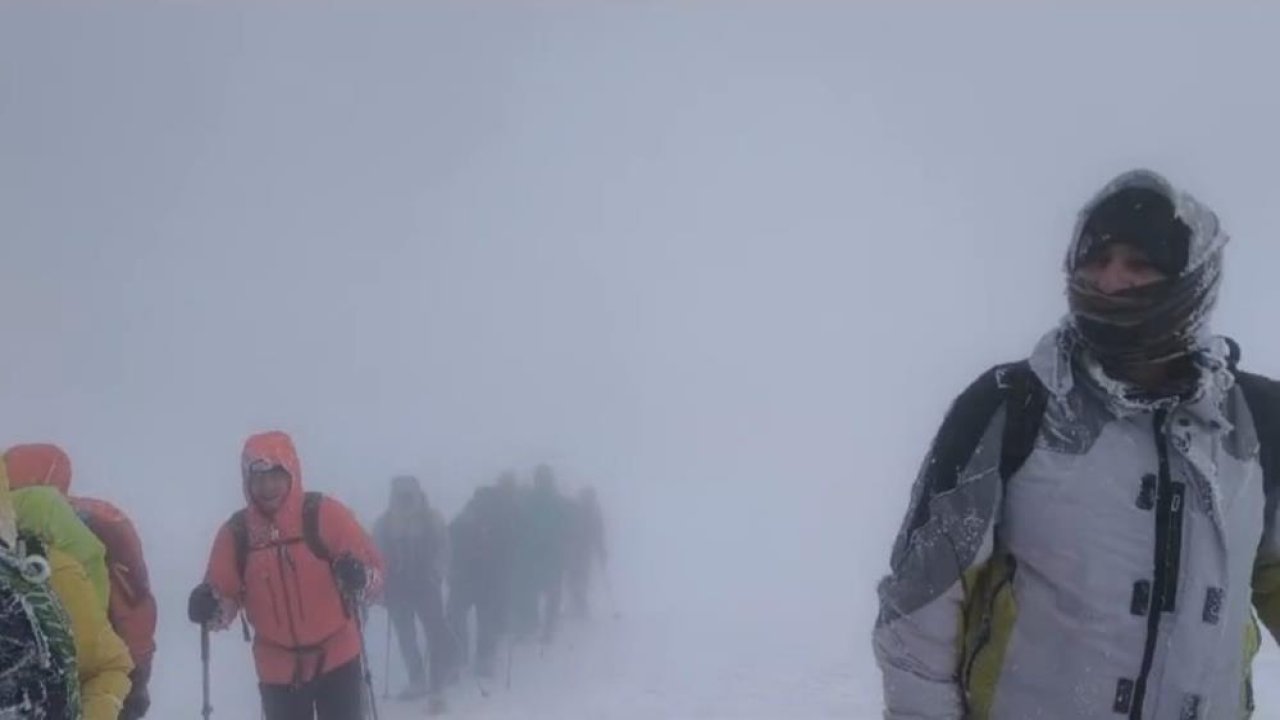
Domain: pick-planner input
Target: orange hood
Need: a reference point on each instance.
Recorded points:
(38, 464)
(276, 448)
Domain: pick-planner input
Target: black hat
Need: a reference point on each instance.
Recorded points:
(1140, 217)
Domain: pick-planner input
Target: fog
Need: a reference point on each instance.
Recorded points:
(728, 262)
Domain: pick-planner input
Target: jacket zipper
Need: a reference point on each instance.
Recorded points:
(271, 591)
(288, 601)
(297, 583)
(1168, 559)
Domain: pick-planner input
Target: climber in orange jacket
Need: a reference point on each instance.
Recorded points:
(299, 565)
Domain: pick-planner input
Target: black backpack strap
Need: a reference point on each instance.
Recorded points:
(1025, 399)
(1262, 395)
(238, 524)
(311, 503)
(1013, 387)
(239, 527)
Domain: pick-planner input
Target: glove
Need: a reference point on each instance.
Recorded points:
(202, 606)
(139, 699)
(351, 575)
(137, 704)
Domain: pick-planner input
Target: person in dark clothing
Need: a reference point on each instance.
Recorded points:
(523, 600)
(585, 550)
(478, 576)
(544, 530)
(508, 501)
(414, 542)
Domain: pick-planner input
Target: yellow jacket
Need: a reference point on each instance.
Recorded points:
(101, 655)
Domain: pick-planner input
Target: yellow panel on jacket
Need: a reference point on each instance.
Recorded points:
(101, 655)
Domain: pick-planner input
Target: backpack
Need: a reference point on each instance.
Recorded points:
(131, 607)
(38, 655)
(311, 502)
(1262, 395)
(125, 562)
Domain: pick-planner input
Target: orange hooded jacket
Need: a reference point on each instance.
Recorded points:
(289, 595)
(131, 607)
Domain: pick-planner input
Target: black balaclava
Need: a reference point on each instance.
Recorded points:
(1155, 324)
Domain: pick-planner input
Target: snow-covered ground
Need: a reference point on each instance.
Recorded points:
(650, 666)
(654, 666)
(638, 666)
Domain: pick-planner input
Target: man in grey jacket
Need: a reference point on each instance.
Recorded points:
(1091, 529)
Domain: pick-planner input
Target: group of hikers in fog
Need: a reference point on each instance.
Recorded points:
(299, 571)
(504, 560)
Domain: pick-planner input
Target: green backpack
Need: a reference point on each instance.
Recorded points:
(40, 680)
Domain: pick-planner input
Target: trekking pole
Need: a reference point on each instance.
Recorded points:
(357, 612)
(207, 710)
(386, 666)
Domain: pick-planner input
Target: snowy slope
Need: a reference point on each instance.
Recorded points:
(652, 668)
(655, 666)
(637, 667)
